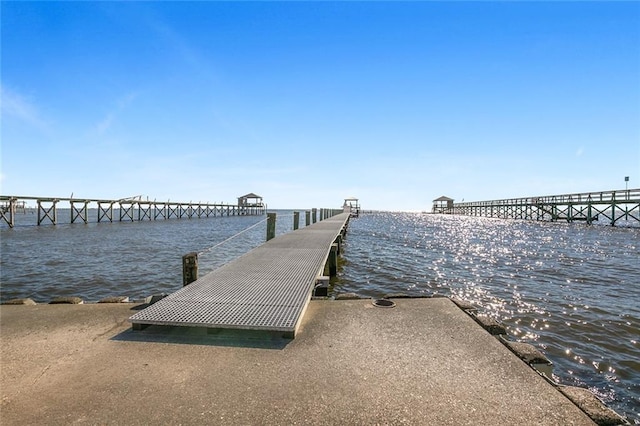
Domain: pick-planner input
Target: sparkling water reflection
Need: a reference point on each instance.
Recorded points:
(569, 289)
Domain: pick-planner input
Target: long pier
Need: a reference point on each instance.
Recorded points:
(267, 289)
(611, 206)
(125, 209)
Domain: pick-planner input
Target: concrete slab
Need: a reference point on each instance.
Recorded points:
(421, 362)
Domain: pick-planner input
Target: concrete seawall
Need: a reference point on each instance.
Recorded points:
(423, 361)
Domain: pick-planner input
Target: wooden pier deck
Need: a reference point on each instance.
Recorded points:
(129, 209)
(266, 289)
(610, 206)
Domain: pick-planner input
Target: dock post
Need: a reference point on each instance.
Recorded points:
(338, 241)
(333, 260)
(314, 214)
(39, 209)
(189, 268)
(271, 226)
(8, 212)
(307, 217)
(613, 211)
(321, 288)
(296, 220)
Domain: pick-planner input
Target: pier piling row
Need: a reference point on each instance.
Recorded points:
(126, 210)
(612, 206)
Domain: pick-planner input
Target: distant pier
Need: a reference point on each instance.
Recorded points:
(129, 209)
(610, 206)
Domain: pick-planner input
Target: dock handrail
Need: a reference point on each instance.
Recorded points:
(593, 197)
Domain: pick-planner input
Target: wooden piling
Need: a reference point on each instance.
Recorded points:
(314, 215)
(271, 226)
(307, 216)
(189, 268)
(333, 260)
(8, 212)
(296, 220)
(338, 241)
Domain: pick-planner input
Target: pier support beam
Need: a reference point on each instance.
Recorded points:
(160, 210)
(144, 213)
(79, 212)
(126, 212)
(105, 212)
(47, 212)
(296, 220)
(172, 210)
(8, 212)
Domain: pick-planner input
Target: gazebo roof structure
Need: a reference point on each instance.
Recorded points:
(443, 198)
(250, 195)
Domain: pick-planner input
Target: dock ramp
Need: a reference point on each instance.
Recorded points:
(268, 288)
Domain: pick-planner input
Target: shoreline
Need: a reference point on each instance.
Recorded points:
(424, 361)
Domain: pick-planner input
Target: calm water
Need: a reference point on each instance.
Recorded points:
(571, 290)
(134, 259)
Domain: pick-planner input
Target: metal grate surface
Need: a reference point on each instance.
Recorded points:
(268, 288)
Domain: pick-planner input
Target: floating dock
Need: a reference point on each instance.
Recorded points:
(266, 289)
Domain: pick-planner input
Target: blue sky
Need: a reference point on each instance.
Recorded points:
(306, 103)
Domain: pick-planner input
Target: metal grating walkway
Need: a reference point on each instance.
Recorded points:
(268, 288)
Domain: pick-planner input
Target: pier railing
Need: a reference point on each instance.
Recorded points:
(612, 205)
(124, 209)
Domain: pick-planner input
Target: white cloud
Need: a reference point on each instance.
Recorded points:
(109, 119)
(17, 106)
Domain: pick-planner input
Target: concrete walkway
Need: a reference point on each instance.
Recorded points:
(422, 362)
